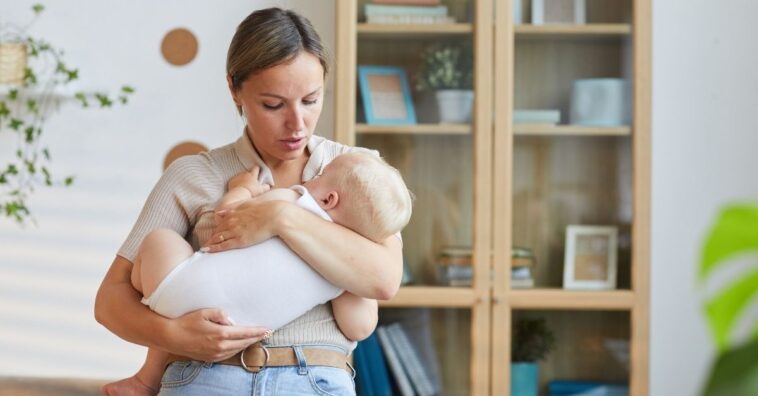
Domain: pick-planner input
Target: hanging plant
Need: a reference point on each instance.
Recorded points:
(32, 75)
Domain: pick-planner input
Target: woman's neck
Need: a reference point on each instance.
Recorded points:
(284, 172)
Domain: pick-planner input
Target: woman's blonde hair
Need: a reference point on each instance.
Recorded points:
(271, 37)
(375, 196)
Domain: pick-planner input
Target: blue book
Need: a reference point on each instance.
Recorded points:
(363, 381)
(376, 365)
(577, 388)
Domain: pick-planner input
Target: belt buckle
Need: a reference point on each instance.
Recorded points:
(255, 348)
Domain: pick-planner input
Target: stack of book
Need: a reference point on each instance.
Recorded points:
(410, 12)
(454, 266)
(387, 363)
(522, 263)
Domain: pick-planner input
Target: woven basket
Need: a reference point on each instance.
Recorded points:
(12, 63)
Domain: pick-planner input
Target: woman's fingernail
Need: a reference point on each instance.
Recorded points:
(268, 334)
(231, 321)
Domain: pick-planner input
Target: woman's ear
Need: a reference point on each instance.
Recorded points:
(232, 90)
(331, 200)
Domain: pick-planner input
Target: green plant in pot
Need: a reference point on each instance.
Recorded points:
(448, 70)
(532, 341)
(34, 80)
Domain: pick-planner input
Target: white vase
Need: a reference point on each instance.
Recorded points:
(455, 105)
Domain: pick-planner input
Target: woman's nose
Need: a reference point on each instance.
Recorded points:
(295, 121)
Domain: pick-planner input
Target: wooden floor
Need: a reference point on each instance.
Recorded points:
(16, 386)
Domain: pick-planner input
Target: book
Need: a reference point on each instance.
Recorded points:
(398, 373)
(409, 19)
(408, 2)
(548, 116)
(522, 283)
(587, 388)
(379, 9)
(411, 361)
(371, 367)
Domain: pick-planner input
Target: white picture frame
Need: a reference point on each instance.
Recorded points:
(591, 257)
(550, 12)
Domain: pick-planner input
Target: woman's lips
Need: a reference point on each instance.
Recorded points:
(293, 144)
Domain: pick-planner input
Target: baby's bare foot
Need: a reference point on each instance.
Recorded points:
(128, 387)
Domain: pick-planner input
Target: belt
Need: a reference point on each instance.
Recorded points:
(256, 357)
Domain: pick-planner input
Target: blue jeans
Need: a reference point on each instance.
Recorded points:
(191, 378)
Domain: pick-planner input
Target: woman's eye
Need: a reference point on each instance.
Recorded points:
(272, 107)
(310, 102)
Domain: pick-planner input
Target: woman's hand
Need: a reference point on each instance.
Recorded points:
(209, 336)
(249, 223)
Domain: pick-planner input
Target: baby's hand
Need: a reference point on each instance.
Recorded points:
(249, 181)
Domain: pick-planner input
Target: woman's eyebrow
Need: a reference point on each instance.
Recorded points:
(272, 95)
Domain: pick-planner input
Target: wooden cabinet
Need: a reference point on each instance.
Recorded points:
(489, 185)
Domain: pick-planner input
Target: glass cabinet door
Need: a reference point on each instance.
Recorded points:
(420, 82)
(571, 182)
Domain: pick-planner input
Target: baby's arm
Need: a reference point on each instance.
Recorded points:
(242, 187)
(355, 316)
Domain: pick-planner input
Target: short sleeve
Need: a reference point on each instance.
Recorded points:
(184, 189)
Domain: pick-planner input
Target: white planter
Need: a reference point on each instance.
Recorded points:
(12, 63)
(455, 105)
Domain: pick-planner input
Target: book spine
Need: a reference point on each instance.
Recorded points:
(403, 383)
(411, 360)
(376, 9)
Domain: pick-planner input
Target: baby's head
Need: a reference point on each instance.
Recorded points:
(364, 193)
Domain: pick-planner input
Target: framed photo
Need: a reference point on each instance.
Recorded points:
(559, 12)
(386, 95)
(590, 261)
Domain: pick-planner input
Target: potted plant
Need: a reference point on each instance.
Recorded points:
(532, 341)
(34, 75)
(447, 69)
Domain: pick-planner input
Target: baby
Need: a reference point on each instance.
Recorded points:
(254, 285)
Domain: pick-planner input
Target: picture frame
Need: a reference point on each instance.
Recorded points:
(386, 95)
(591, 257)
(559, 12)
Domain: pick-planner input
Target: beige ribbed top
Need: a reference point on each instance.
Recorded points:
(184, 199)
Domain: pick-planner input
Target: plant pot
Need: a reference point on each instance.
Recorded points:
(455, 105)
(12, 63)
(524, 378)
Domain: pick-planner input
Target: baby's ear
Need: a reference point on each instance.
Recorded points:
(331, 200)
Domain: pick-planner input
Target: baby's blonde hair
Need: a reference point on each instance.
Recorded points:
(374, 195)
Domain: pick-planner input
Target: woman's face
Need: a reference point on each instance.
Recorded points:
(282, 105)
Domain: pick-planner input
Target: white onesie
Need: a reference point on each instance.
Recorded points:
(261, 285)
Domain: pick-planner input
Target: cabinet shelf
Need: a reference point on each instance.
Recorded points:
(570, 299)
(569, 130)
(383, 30)
(418, 129)
(567, 31)
(431, 296)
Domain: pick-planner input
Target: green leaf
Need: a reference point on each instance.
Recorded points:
(12, 170)
(735, 373)
(38, 8)
(46, 153)
(82, 98)
(29, 133)
(68, 181)
(127, 89)
(30, 78)
(31, 105)
(4, 110)
(15, 124)
(104, 100)
(48, 178)
(13, 94)
(72, 75)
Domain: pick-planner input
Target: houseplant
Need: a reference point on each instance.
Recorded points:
(34, 77)
(532, 341)
(447, 69)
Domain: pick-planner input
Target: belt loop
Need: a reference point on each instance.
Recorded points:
(302, 364)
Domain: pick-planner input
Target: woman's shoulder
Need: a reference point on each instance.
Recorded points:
(332, 149)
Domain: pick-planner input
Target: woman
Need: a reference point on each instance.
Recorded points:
(276, 66)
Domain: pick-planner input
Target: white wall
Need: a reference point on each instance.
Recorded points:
(704, 139)
(705, 135)
(49, 274)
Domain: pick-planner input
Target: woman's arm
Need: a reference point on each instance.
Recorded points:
(204, 334)
(345, 258)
